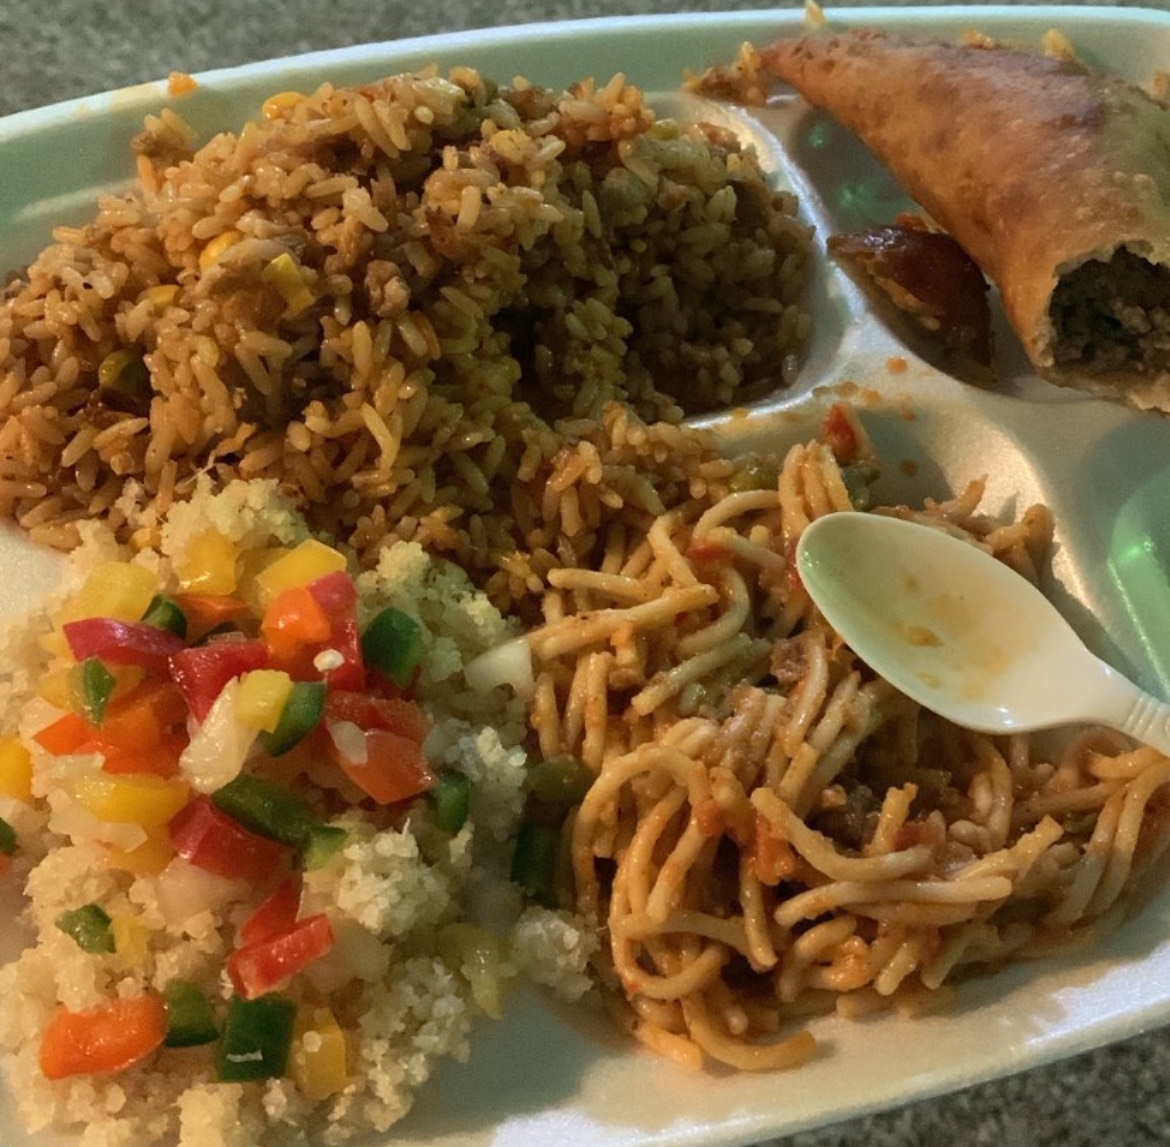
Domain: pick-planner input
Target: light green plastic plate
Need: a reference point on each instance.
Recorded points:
(549, 1074)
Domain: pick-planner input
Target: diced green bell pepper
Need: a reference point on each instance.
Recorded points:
(190, 1017)
(8, 842)
(90, 928)
(257, 1036)
(450, 801)
(266, 809)
(858, 477)
(301, 714)
(393, 644)
(166, 615)
(558, 784)
(534, 863)
(97, 685)
(322, 843)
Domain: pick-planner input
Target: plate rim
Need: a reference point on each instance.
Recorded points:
(590, 27)
(750, 1127)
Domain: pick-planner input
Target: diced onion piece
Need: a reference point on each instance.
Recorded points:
(79, 824)
(184, 891)
(507, 664)
(350, 741)
(219, 746)
(328, 660)
(357, 954)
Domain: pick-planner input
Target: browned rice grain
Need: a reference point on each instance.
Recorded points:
(504, 283)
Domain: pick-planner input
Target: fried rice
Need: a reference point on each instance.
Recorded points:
(418, 305)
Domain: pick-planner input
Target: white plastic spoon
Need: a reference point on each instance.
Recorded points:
(961, 633)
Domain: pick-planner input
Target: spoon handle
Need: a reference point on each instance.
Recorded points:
(1142, 716)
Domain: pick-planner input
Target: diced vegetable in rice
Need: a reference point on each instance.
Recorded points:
(128, 901)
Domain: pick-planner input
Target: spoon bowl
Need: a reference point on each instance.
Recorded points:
(962, 633)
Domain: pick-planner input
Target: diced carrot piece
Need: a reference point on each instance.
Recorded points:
(294, 619)
(103, 1039)
(206, 611)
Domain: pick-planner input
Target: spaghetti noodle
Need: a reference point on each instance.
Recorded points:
(772, 831)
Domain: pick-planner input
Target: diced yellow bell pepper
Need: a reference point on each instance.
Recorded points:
(15, 770)
(131, 798)
(479, 955)
(131, 940)
(217, 247)
(261, 698)
(275, 106)
(56, 685)
(301, 566)
(318, 1062)
(284, 276)
(252, 564)
(208, 565)
(119, 590)
(149, 858)
(54, 644)
(161, 297)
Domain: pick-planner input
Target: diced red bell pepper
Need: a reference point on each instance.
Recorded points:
(122, 642)
(394, 770)
(277, 913)
(135, 737)
(300, 662)
(161, 759)
(260, 967)
(144, 717)
(840, 435)
(202, 672)
(133, 725)
(379, 685)
(336, 594)
(208, 838)
(393, 714)
(346, 639)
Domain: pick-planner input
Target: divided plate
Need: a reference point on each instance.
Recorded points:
(549, 1073)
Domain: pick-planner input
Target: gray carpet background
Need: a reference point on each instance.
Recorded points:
(1118, 1096)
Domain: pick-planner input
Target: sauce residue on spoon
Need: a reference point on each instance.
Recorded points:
(919, 625)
